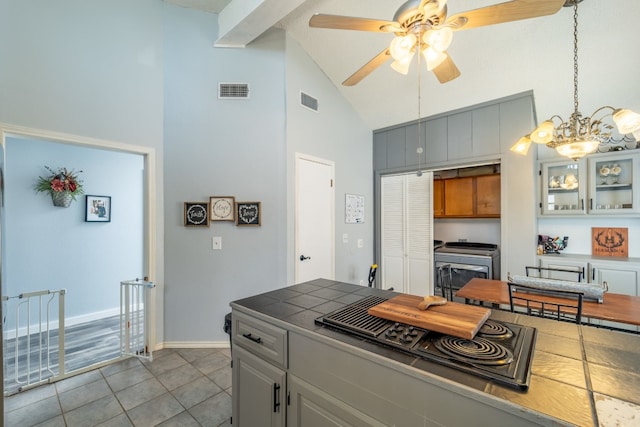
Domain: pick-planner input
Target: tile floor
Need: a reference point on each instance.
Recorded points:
(180, 387)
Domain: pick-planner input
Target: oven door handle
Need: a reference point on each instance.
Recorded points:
(469, 267)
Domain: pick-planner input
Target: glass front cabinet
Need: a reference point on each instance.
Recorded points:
(564, 188)
(602, 184)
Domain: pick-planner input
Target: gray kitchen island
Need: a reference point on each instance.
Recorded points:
(288, 369)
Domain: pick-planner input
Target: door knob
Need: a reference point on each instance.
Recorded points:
(302, 257)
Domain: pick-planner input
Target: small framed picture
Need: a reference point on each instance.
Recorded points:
(196, 214)
(248, 213)
(222, 208)
(98, 209)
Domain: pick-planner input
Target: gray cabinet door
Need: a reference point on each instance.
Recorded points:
(486, 130)
(259, 391)
(396, 148)
(460, 140)
(436, 140)
(311, 407)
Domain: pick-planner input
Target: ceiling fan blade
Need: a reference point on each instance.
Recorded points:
(514, 10)
(446, 71)
(338, 22)
(368, 68)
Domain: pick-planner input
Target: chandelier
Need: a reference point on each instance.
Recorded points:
(579, 135)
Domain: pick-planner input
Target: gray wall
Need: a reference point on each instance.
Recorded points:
(145, 73)
(50, 247)
(220, 148)
(335, 132)
(92, 69)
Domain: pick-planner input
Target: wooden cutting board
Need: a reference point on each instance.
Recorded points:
(459, 320)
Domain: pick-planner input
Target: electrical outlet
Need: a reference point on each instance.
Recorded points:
(361, 282)
(216, 243)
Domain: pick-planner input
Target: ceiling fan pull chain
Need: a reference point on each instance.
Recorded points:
(419, 148)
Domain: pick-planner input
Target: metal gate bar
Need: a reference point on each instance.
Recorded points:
(134, 318)
(34, 324)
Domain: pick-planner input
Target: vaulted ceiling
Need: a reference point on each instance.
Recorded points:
(495, 61)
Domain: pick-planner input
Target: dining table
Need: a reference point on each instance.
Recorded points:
(614, 307)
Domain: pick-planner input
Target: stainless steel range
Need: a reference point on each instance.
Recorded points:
(468, 260)
(501, 351)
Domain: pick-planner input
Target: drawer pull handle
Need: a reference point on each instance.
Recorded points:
(276, 397)
(252, 338)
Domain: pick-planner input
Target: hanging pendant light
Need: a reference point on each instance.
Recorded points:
(580, 135)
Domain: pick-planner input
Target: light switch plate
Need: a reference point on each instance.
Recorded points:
(360, 243)
(345, 238)
(216, 243)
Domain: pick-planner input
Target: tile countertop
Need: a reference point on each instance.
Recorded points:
(583, 375)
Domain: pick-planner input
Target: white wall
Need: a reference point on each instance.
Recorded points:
(335, 132)
(473, 230)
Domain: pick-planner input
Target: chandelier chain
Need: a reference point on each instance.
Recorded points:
(575, 58)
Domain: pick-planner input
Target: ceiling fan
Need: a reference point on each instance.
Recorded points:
(422, 26)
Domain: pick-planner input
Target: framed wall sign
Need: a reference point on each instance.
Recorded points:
(611, 242)
(353, 209)
(196, 214)
(222, 208)
(97, 209)
(248, 213)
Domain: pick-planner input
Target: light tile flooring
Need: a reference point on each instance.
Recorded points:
(180, 387)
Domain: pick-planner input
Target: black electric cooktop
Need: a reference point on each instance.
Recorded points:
(500, 351)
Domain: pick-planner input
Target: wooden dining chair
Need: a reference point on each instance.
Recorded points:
(556, 273)
(445, 280)
(555, 304)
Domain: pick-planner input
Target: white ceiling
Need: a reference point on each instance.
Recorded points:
(495, 61)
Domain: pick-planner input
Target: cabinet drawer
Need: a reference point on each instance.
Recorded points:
(261, 338)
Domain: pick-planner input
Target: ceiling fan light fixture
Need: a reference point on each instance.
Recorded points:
(439, 39)
(433, 58)
(401, 46)
(543, 134)
(402, 65)
(522, 146)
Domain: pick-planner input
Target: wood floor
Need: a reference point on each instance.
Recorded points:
(85, 344)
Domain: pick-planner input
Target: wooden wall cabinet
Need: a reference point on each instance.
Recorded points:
(438, 198)
(469, 197)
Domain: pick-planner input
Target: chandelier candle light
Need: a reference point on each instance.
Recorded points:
(580, 135)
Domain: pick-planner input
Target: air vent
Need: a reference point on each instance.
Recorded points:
(233, 90)
(308, 101)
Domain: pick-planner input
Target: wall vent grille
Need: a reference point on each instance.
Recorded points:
(308, 101)
(233, 90)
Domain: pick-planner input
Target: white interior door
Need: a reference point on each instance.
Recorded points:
(407, 233)
(315, 219)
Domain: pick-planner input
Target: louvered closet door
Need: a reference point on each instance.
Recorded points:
(392, 224)
(419, 234)
(407, 233)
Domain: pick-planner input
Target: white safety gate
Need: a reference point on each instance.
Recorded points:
(33, 339)
(134, 318)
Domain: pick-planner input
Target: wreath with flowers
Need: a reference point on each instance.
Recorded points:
(59, 181)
